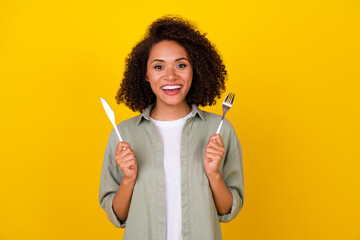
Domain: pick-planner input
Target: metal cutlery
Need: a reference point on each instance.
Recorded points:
(228, 101)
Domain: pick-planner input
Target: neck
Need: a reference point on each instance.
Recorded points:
(163, 112)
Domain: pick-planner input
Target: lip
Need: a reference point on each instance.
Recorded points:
(167, 92)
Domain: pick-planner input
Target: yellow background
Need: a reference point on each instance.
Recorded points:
(294, 66)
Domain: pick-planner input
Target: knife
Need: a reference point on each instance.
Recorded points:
(110, 114)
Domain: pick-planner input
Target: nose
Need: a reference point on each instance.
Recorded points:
(171, 74)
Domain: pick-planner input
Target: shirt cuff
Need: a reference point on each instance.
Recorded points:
(111, 214)
(235, 208)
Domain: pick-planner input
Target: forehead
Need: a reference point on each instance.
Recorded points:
(167, 50)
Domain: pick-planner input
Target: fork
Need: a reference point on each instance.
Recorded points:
(228, 101)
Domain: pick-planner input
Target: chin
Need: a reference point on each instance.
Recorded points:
(173, 103)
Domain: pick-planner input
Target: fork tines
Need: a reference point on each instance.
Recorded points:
(229, 99)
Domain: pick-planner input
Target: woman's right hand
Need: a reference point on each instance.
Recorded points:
(125, 158)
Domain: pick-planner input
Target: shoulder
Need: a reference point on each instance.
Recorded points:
(134, 129)
(124, 128)
(213, 118)
(131, 126)
(209, 116)
(129, 130)
(130, 122)
(227, 132)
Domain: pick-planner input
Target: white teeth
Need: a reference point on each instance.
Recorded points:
(171, 87)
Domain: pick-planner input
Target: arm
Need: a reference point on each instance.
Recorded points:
(213, 155)
(116, 184)
(125, 158)
(228, 185)
(221, 194)
(122, 199)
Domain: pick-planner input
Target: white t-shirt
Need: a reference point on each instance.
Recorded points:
(170, 132)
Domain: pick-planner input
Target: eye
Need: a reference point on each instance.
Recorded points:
(182, 65)
(159, 67)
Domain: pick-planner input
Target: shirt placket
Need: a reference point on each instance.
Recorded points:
(160, 185)
(185, 180)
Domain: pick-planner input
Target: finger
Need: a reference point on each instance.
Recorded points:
(217, 146)
(121, 146)
(124, 144)
(122, 153)
(216, 151)
(125, 158)
(217, 138)
(124, 161)
(129, 164)
(213, 156)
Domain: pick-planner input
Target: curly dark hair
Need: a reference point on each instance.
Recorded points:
(209, 72)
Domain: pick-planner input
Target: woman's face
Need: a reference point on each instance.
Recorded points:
(169, 73)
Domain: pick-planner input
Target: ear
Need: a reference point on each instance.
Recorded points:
(147, 78)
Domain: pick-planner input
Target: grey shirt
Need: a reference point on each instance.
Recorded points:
(147, 216)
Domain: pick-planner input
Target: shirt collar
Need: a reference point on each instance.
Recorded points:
(146, 113)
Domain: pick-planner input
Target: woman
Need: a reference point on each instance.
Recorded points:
(172, 177)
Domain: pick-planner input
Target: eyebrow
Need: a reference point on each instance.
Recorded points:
(178, 59)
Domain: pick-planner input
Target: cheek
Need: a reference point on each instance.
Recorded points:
(153, 76)
(190, 74)
(189, 77)
(150, 77)
(152, 81)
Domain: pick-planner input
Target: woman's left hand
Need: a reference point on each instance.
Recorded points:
(213, 154)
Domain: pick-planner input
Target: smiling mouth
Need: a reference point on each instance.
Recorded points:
(171, 89)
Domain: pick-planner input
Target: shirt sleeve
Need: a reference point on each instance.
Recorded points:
(111, 176)
(232, 174)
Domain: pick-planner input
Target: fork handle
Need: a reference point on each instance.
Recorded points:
(221, 122)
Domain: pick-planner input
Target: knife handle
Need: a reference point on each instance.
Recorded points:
(118, 134)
